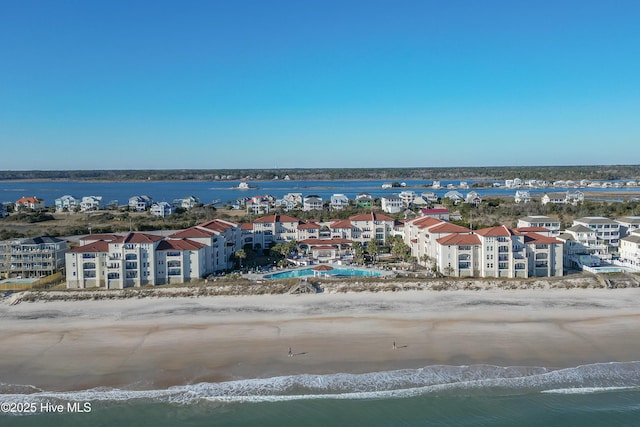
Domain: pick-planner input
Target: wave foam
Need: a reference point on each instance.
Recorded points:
(601, 377)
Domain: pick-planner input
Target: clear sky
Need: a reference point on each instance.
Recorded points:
(262, 84)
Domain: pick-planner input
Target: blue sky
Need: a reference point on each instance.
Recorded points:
(285, 84)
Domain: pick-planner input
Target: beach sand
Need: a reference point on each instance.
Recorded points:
(154, 343)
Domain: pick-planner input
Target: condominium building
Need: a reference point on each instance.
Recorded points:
(607, 230)
(32, 257)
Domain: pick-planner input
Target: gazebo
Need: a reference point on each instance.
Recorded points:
(319, 269)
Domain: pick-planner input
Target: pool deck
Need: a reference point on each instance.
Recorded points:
(261, 276)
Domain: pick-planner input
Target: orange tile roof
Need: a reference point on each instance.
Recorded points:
(246, 226)
(371, 217)
(93, 247)
(535, 238)
(425, 222)
(344, 223)
(218, 225)
(277, 218)
(180, 245)
(105, 236)
(134, 237)
(192, 232)
(459, 239)
(308, 225)
(28, 200)
(447, 227)
(499, 231)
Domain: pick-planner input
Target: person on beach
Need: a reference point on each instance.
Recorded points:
(290, 352)
(394, 345)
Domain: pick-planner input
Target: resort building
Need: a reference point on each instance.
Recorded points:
(499, 252)
(630, 251)
(30, 203)
(607, 230)
(628, 225)
(272, 229)
(32, 257)
(134, 260)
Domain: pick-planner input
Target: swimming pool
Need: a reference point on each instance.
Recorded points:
(345, 272)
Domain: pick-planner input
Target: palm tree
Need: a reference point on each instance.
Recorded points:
(240, 254)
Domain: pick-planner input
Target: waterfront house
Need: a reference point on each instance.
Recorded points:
(66, 203)
(391, 204)
(407, 197)
(522, 196)
(91, 203)
(455, 196)
(630, 251)
(188, 202)
(312, 202)
(30, 203)
(259, 205)
(364, 201)
(140, 203)
(339, 202)
(473, 198)
(161, 209)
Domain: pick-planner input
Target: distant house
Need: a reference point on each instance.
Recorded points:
(569, 197)
(392, 204)
(522, 196)
(364, 200)
(31, 203)
(312, 202)
(473, 198)
(430, 196)
(187, 202)
(407, 197)
(66, 203)
(161, 209)
(140, 203)
(339, 202)
(455, 196)
(91, 203)
(259, 205)
(439, 213)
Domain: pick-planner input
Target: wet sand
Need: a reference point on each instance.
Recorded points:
(159, 342)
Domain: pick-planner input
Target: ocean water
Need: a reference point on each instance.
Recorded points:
(606, 394)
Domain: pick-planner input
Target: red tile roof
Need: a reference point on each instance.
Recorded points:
(499, 231)
(343, 223)
(539, 239)
(459, 239)
(307, 226)
(530, 229)
(134, 237)
(371, 217)
(246, 226)
(192, 232)
(434, 211)
(28, 200)
(425, 222)
(93, 247)
(447, 227)
(218, 225)
(105, 236)
(277, 218)
(179, 245)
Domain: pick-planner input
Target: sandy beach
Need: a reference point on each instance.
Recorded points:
(159, 342)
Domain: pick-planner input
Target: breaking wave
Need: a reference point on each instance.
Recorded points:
(440, 380)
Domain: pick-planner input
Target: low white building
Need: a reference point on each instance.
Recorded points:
(312, 202)
(522, 196)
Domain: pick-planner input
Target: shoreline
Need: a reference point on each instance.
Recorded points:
(153, 343)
